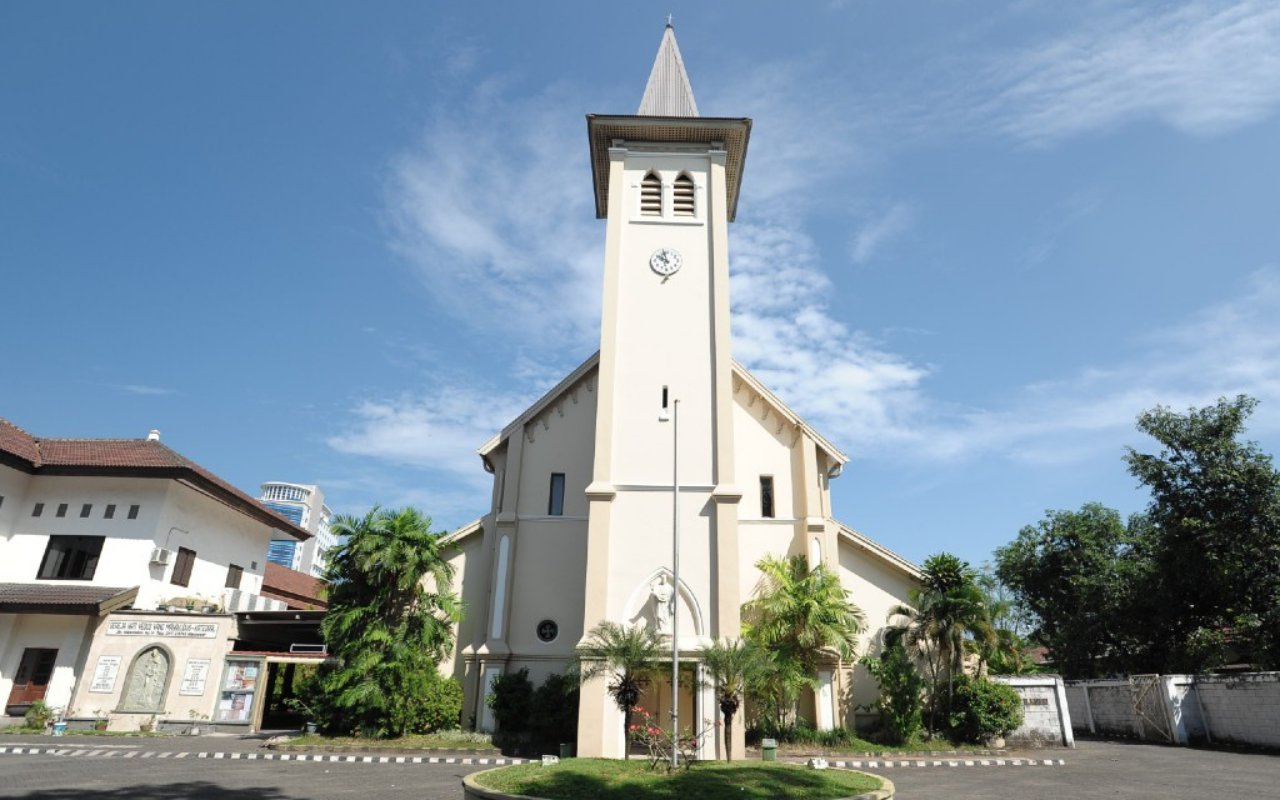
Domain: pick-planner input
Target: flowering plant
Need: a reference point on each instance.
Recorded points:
(660, 744)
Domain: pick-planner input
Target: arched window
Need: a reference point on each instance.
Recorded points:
(148, 681)
(682, 201)
(651, 195)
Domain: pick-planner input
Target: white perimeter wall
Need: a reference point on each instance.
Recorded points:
(1220, 709)
(1046, 715)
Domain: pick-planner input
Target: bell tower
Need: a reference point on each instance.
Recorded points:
(666, 181)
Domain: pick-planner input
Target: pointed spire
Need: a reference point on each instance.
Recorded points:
(668, 93)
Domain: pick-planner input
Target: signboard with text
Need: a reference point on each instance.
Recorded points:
(166, 629)
(195, 676)
(104, 675)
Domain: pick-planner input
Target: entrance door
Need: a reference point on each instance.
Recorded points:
(32, 679)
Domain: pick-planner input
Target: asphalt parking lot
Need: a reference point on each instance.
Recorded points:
(137, 771)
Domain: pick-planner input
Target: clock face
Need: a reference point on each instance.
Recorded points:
(665, 261)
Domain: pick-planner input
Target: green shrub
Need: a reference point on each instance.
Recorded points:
(982, 709)
(38, 715)
(511, 698)
(437, 708)
(901, 701)
(555, 711)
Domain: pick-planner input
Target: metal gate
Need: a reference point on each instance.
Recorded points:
(1150, 711)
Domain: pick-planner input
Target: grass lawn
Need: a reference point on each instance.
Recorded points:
(609, 779)
(444, 740)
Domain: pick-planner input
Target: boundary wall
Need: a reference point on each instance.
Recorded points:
(1241, 709)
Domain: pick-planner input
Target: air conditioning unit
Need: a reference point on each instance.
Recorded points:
(161, 555)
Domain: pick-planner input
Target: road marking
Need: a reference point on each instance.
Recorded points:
(254, 756)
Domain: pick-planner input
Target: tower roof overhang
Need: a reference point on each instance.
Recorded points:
(732, 132)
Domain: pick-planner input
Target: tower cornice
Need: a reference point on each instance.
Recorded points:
(731, 134)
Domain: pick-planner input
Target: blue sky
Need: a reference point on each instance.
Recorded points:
(316, 242)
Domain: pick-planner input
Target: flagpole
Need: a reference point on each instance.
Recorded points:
(675, 578)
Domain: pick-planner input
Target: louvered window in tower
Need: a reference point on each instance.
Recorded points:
(651, 196)
(682, 196)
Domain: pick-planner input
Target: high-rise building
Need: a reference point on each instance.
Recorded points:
(303, 505)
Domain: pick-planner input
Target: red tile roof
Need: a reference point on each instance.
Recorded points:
(298, 589)
(146, 458)
(61, 598)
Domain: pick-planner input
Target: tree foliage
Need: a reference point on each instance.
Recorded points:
(1071, 570)
(630, 655)
(798, 618)
(390, 622)
(901, 698)
(731, 664)
(1190, 585)
(945, 619)
(1215, 514)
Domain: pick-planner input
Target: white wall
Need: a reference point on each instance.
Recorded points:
(1046, 715)
(66, 634)
(170, 515)
(1236, 709)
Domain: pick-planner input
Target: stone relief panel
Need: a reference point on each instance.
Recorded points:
(148, 680)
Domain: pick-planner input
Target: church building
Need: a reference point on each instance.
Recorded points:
(660, 437)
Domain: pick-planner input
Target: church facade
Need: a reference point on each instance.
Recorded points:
(658, 438)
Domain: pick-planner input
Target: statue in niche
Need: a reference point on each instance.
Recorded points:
(662, 592)
(147, 681)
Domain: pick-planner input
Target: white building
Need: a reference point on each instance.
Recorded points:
(92, 527)
(585, 505)
(303, 505)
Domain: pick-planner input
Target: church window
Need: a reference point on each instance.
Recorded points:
(555, 503)
(651, 195)
(548, 630)
(682, 200)
(766, 496)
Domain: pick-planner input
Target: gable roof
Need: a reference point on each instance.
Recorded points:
(554, 393)
(740, 373)
(668, 92)
(132, 458)
(871, 546)
(463, 532)
(743, 374)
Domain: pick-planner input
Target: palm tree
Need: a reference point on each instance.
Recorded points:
(730, 664)
(947, 618)
(796, 614)
(390, 619)
(631, 654)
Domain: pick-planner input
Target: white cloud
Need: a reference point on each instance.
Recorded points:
(1228, 348)
(880, 228)
(438, 431)
(143, 389)
(1202, 68)
(493, 210)
(841, 380)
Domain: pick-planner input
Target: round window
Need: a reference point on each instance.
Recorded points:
(548, 630)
